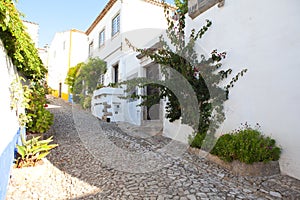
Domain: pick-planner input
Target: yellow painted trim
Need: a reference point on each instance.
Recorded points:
(65, 96)
(55, 93)
(70, 49)
(70, 53)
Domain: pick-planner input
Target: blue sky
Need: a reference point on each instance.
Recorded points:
(60, 15)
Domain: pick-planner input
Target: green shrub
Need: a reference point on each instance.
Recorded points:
(197, 140)
(86, 104)
(40, 118)
(246, 145)
(202, 141)
(33, 150)
(224, 148)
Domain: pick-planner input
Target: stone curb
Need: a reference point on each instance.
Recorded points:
(239, 168)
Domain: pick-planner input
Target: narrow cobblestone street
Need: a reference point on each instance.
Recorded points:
(86, 166)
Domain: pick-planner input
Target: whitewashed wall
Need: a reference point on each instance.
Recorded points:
(140, 22)
(58, 60)
(139, 14)
(79, 48)
(8, 120)
(264, 37)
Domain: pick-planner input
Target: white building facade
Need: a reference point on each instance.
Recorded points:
(33, 30)
(141, 22)
(262, 36)
(67, 49)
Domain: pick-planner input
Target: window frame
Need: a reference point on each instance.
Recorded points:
(101, 41)
(102, 79)
(91, 48)
(118, 18)
(116, 73)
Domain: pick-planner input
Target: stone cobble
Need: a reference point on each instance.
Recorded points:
(97, 160)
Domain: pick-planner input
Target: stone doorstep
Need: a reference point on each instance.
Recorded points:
(239, 168)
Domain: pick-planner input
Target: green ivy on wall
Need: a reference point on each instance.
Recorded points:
(18, 43)
(21, 49)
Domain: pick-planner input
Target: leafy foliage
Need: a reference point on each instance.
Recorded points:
(71, 76)
(197, 141)
(18, 94)
(33, 150)
(40, 118)
(24, 55)
(18, 43)
(87, 80)
(204, 76)
(246, 145)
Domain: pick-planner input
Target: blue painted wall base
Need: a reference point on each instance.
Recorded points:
(6, 162)
(70, 98)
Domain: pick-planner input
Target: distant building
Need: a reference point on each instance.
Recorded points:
(67, 49)
(33, 31)
(43, 53)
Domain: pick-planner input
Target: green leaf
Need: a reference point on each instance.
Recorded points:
(51, 146)
(40, 156)
(21, 151)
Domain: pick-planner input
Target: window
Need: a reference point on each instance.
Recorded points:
(101, 38)
(115, 25)
(91, 47)
(101, 79)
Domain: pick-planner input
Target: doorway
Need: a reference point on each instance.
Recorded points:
(59, 90)
(152, 112)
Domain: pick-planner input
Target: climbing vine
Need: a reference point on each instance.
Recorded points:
(18, 43)
(204, 75)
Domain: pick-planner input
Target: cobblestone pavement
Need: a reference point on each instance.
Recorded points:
(116, 165)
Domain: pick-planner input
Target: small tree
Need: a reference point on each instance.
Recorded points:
(73, 72)
(205, 76)
(87, 80)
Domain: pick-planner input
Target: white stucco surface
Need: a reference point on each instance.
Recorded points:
(67, 49)
(264, 37)
(140, 22)
(8, 121)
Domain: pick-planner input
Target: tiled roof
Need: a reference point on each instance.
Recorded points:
(30, 22)
(112, 2)
(101, 15)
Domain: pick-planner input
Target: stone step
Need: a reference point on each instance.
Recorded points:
(107, 114)
(107, 106)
